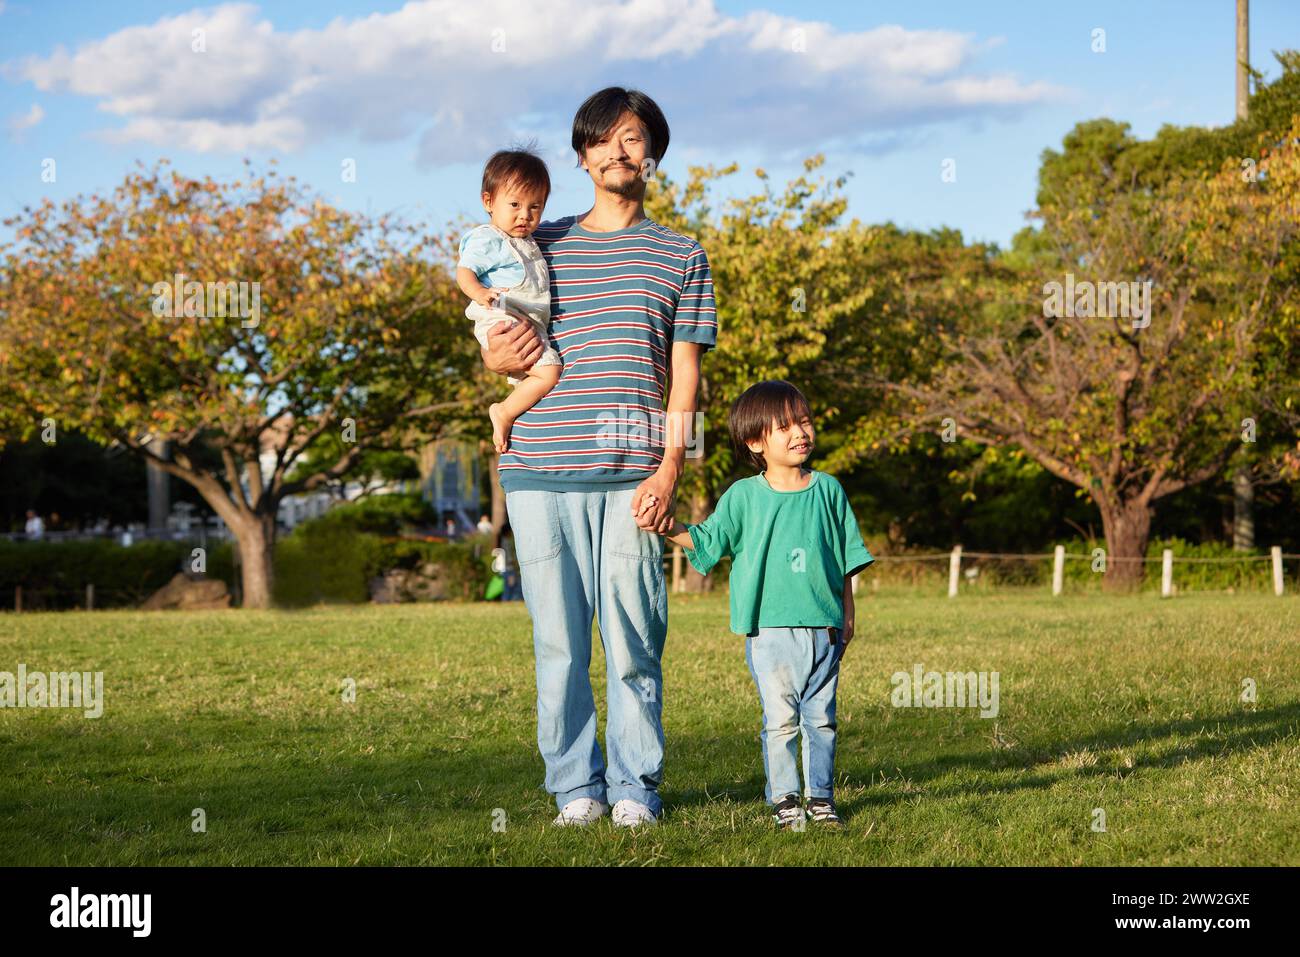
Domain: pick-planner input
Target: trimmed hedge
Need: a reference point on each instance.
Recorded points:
(333, 557)
(328, 559)
(54, 575)
(380, 515)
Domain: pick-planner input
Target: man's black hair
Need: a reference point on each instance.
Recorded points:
(601, 111)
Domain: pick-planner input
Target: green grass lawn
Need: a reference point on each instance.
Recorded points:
(1129, 705)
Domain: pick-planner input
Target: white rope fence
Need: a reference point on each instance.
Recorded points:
(1167, 561)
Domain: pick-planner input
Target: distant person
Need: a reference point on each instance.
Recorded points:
(513, 591)
(449, 527)
(484, 525)
(35, 527)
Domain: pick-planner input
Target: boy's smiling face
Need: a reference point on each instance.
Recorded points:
(786, 444)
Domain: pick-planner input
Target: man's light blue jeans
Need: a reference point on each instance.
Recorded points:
(796, 671)
(579, 554)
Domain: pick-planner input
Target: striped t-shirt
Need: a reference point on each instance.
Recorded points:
(619, 300)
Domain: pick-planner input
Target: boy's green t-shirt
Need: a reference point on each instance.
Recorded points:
(790, 552)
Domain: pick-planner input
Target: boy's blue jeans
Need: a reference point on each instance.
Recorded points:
(796, 671)
(581, 553)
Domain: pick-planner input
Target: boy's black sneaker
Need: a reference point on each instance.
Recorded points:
(788, 815)
(822, 811)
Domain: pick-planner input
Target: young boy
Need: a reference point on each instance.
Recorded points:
(795, 548)
(502, 271)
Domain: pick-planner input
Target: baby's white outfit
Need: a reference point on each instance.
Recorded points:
(516, 264)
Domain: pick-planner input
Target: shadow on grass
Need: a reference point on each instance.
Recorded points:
(1229, 733)
(259, 804)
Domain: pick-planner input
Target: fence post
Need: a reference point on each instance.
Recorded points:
(954, 571)
(1167, 574)
(90, 596)
(1277, 570)
(1058, 569)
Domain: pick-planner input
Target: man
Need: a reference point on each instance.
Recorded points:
(35, 527)
(632, 312)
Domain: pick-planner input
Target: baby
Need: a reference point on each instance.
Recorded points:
(502, 270)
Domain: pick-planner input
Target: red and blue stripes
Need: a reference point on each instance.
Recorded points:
(618, 302)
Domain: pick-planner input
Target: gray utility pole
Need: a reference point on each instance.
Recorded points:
(156, 481)
(1243, 57)
(1243, 490)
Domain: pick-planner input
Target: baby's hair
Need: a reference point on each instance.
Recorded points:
(520, 166)
(753, 413)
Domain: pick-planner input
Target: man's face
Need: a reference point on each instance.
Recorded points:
(615, 163)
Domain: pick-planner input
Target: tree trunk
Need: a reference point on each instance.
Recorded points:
(256, 543)
(694, 581)
(1243, 511)
(1127, 527)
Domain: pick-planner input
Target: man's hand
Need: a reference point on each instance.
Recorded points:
(657, 516)
(512, 348)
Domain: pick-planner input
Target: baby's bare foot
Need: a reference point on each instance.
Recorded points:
(501, 424)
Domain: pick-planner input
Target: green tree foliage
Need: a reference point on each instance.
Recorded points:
(349, 337)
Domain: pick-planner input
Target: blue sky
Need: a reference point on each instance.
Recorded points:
(417, 95)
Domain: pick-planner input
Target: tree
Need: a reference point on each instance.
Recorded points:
(1128, 407)
(244, 323)
(1101, 159)
(779, 283)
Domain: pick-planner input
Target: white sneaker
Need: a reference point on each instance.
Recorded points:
(581, 812)
(629, 813)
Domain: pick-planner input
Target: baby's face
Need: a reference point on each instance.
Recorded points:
(514, 210)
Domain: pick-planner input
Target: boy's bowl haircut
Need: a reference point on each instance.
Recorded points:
(753, 413)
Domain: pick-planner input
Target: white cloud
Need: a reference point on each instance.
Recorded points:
(20, 123)
(466, 76)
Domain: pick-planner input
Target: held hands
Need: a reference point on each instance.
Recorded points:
(642, 515)
(653, 512)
